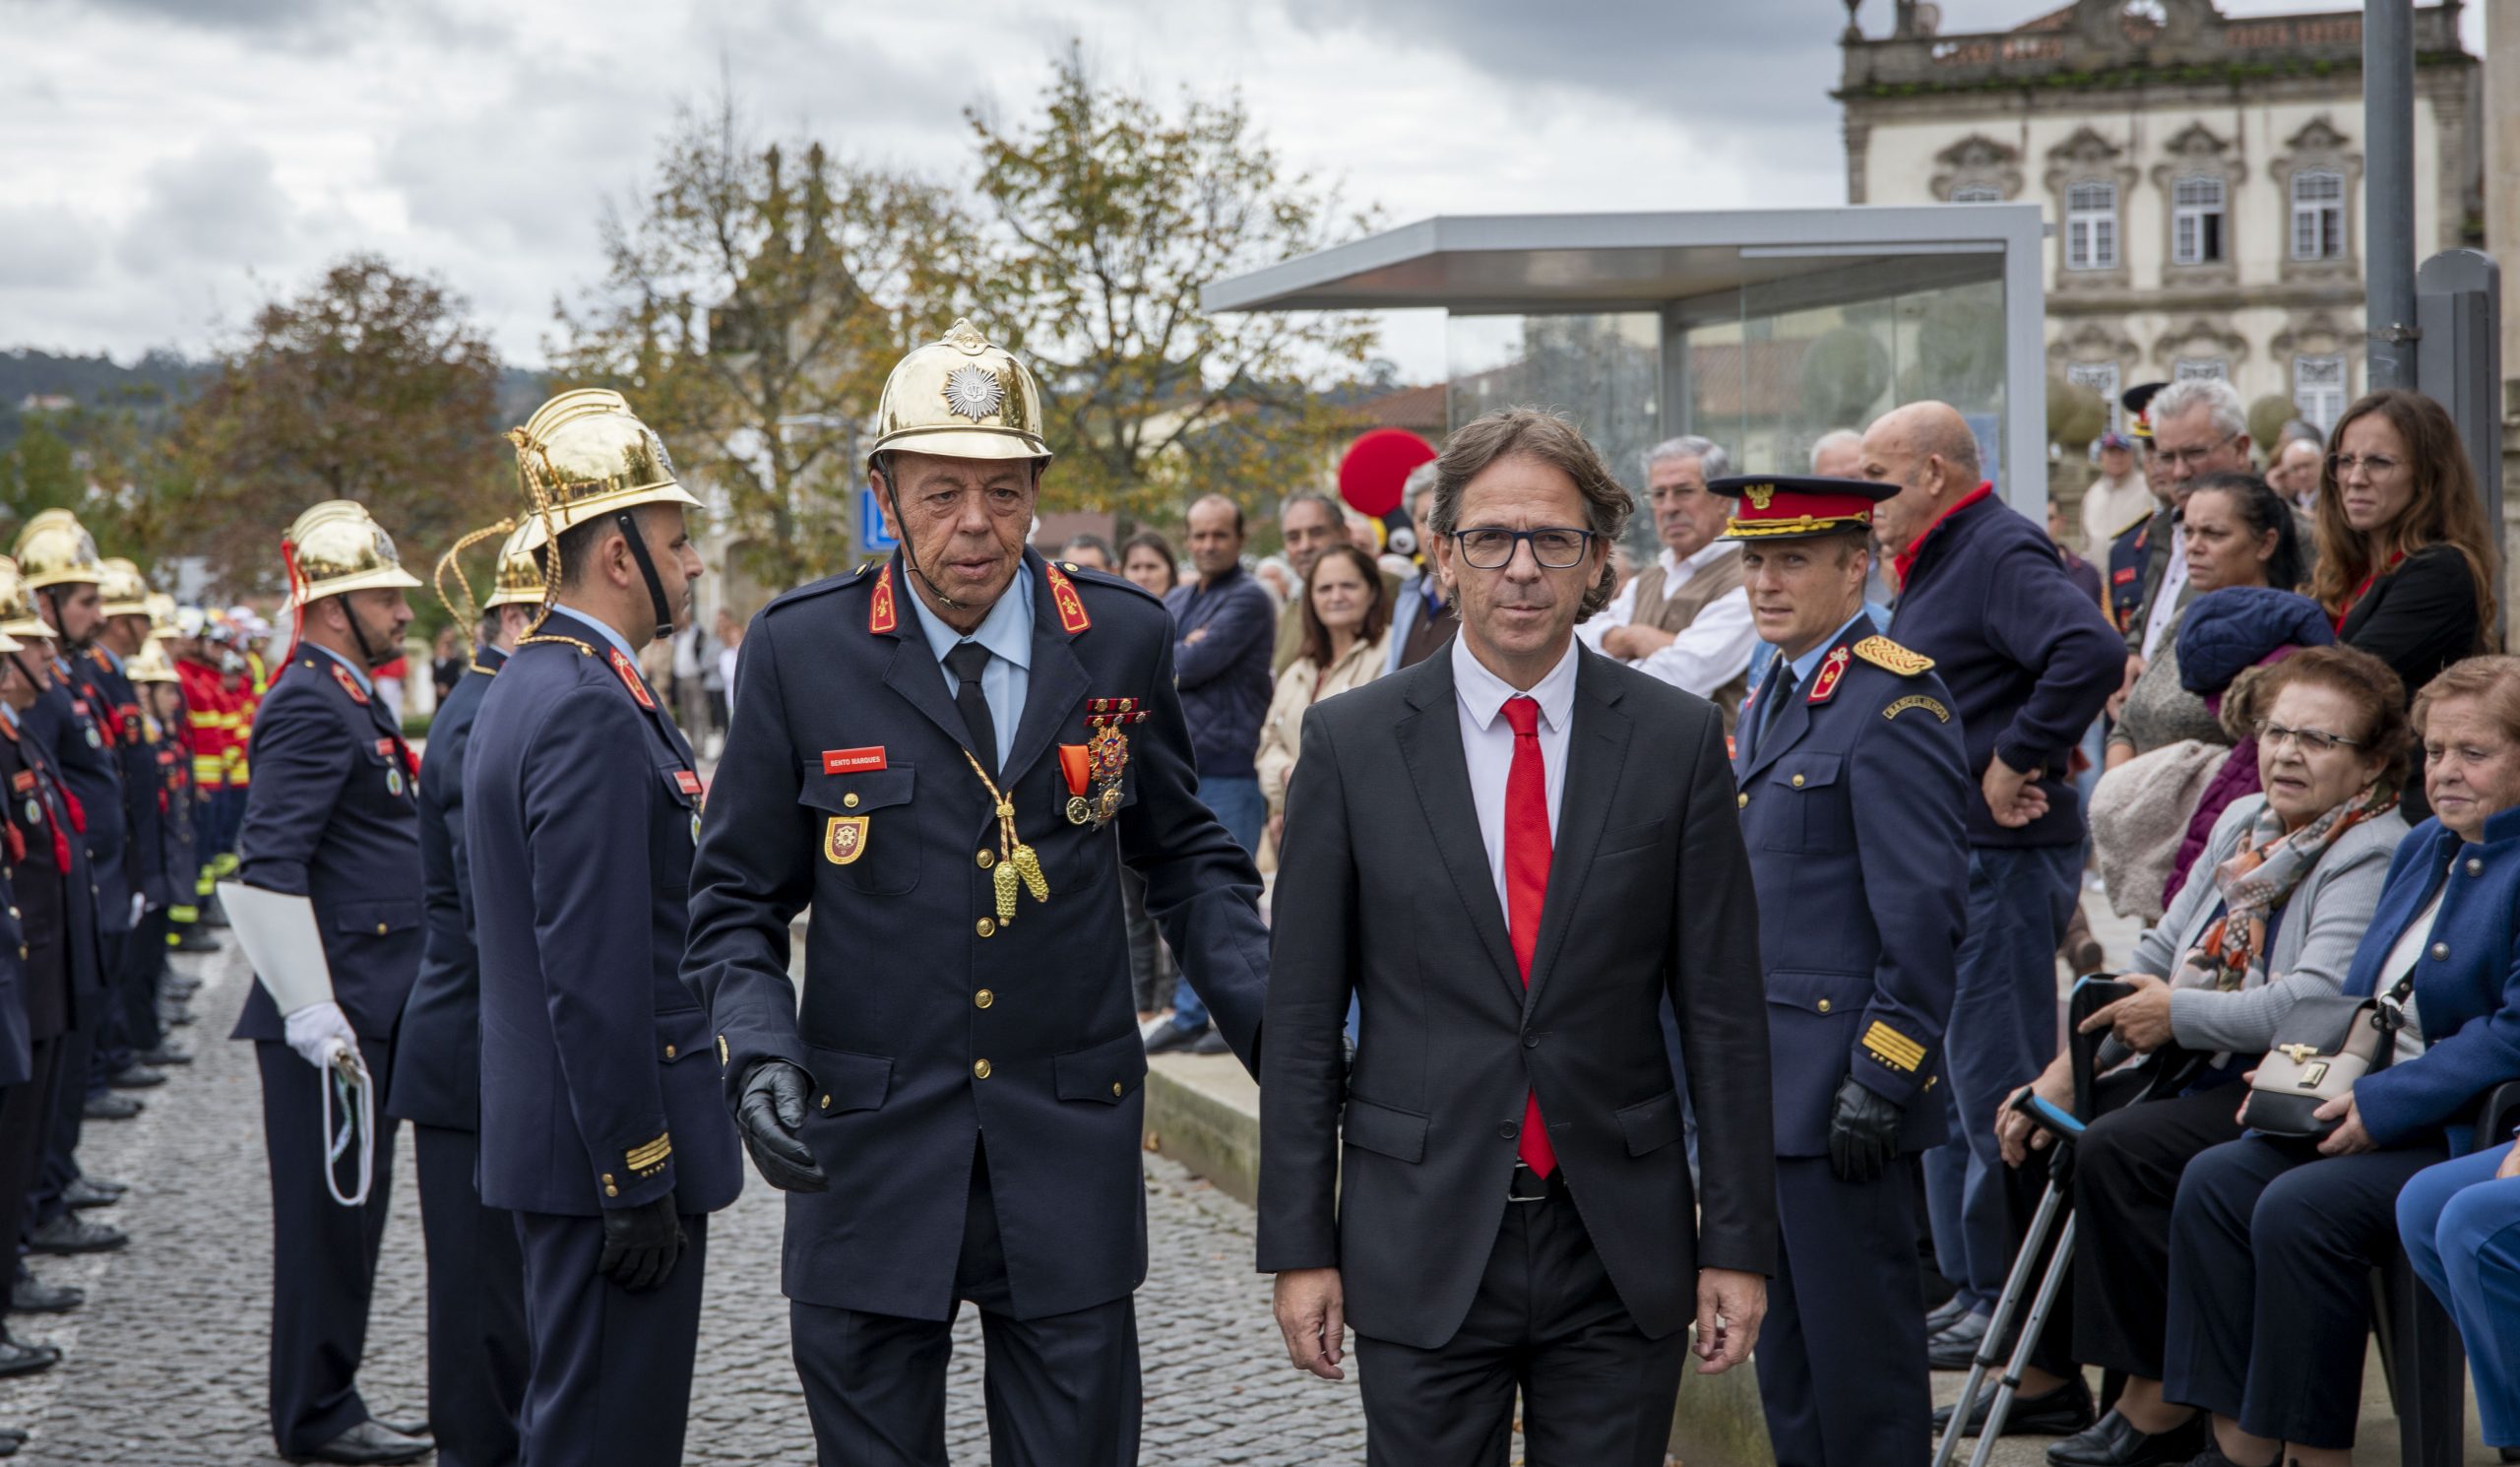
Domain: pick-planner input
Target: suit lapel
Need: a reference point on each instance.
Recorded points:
(1430, 745)
(1053, 685)
(1595, 753)
(1792, 724)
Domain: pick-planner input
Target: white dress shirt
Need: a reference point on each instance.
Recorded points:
(1711, 651)
(1488, 745)
(2166, 600)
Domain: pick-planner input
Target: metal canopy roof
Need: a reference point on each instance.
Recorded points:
(1590, 262)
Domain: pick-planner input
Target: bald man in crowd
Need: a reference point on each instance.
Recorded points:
(2029, 658)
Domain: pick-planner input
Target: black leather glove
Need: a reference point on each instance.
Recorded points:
(1863, 1132)
(641, 1245)
(769, 1112)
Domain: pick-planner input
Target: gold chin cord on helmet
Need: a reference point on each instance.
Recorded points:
(959, 397)
(584, 455)
(468, 614)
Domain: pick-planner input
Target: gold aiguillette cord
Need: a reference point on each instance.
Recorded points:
(1016, 861)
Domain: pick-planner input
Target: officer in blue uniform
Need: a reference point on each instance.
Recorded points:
(134, 1057)
(477, 1340)
(2133, 564)
(602, 1128)
(1853, 779)
(946, 759)
(330, 821)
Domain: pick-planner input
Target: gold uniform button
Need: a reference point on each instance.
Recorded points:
(669, 1051)
(2440, 952)
(1797, 782)
(380, 929)
(1740, 801)
(1824, 1005)
(1115, 1087)
(2475, 867)
(826, 1102)
(979, 1069)
(607, 1178)
(611, 1191)
(986, 858)
(985, 925)
(849, 800)
(984, 998)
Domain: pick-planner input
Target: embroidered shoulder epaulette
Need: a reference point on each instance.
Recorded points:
(1881, 652)
(2133, 525)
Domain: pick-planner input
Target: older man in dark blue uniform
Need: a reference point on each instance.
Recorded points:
(601, 1129)
(2133, 567)
(139, 1051)
(947, 759)
(476, 1339)
(330, 823)
(1852, 778)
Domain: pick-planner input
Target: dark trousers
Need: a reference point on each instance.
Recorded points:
(611, 1375)
(108, 1046)
(1595, 1391)
(2272, 1246)
(323, 1254)
(65, 1117)
(2127, 1172)
(476, 1350)
(144, 964)
(26, 1113)
(1842, 1357)
(1061, 1392)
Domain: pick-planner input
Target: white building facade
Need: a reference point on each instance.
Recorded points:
(2201, 176)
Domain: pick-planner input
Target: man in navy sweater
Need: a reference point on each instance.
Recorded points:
(2029, 659)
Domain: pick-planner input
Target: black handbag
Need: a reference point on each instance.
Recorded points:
(2321, 1048)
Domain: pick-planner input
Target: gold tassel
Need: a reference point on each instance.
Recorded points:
(1006, 881)
(1029, 865)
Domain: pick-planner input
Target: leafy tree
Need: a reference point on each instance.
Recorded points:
(37, 474)
(370, 385)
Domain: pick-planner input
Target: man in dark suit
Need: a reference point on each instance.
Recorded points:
(601, 1124)
(1860, 905)
(1509, 855)
(331, 822)
(476, 1341)
(948, 759)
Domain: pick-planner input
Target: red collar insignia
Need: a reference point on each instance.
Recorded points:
(629, 677)
(1824, 686)
(880, 616)
(1072, 617)
(349, 684)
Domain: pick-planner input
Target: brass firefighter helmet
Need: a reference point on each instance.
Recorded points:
(151, 664)
(162, 612)
(585, 454)
(17, 617)
(126, 591)
(335, 548)
(961, 398)
(520, 574)
(55, 549)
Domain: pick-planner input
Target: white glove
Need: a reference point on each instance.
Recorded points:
(320, 1033)
(139, 905)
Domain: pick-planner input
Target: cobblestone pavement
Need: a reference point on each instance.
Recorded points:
(165, 1364)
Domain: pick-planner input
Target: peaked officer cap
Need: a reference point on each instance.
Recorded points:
(585, 454)
(55, 549)
(960, 397)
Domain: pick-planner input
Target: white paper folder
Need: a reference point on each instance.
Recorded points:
(281, 943)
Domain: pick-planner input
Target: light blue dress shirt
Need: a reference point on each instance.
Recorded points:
(619, 641)
(366, 684)
(1007, 632)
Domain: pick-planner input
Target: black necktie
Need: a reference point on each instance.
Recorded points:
(966, 662)
(1771, 701)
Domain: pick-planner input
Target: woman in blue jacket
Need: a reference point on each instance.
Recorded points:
(2272, 1239)
(2461, 1220)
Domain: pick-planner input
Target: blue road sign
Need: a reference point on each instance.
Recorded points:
(871, 539)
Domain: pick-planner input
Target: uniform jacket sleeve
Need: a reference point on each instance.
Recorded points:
(303, 756)
(588, 838)
(752, 875)
(2038, 619)
(1238, 622)
(1312, 970)
(1912, 845)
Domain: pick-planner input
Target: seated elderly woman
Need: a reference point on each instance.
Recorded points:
(2272, 1239)
(2271, 914)
(2461, 1220)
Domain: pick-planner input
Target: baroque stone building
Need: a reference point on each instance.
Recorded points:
(2201, 175)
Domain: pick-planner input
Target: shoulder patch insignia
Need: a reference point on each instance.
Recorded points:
(880, 616)
(349, 684)
(1824, 682)
(1072, 617)
(1940, 713)
(629, 675)
(1881, 652)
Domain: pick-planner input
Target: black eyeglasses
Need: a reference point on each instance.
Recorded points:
(1493, 549)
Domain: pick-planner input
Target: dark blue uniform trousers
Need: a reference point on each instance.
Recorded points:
(477, 1351)
(1061, 1392)
(1842, 1356)
(2271, 1249)
(323, 1254)
(2462, 1230)
(612, 1377)
(26, 1113)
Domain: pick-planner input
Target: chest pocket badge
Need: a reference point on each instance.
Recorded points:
(845, 838)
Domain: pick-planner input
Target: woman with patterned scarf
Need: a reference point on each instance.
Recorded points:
(2272, 914)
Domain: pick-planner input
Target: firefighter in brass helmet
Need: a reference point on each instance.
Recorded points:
(331, 844)
(601, 1128)
(476, 1337)
(947, 756)
(138, 1038)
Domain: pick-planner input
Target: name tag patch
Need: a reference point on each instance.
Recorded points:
(853, 761)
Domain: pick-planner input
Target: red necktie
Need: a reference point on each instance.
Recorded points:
(1527, 849)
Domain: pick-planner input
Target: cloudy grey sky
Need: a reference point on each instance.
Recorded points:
(168, 164)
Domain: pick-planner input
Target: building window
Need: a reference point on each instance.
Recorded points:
(2318, 389)
(2197, 222)
(2318, 216)
(2101, 377)
(2091, 227)
(2196, 369)
(1976, 193)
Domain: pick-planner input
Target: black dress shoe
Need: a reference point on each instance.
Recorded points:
(2060, 1411)
(1174, 1036)
(1945, 1314)
(165, 1055)
(104, 1184)
(21, 1358)
(33, 1295)
(370, 1442)
(1956, 1347)
(408, 1428)
(72, 1234)
(106, 1105)
(2113, 1442)
(83, 1193)
(136, 1076)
